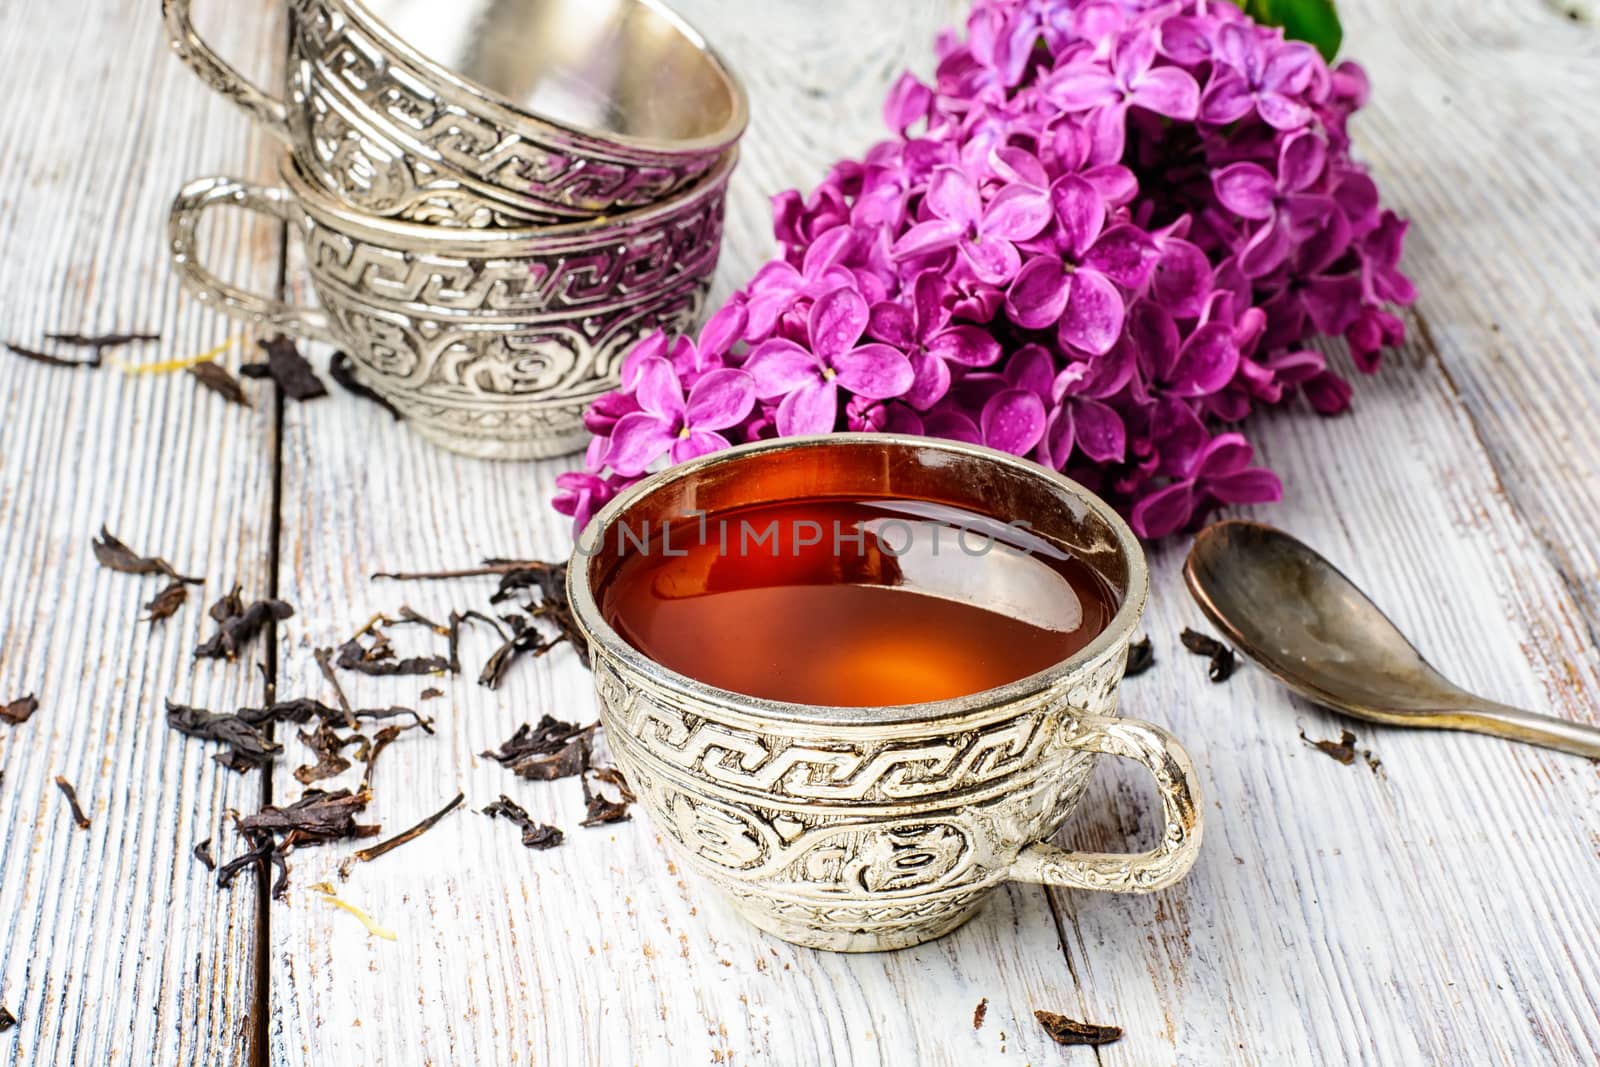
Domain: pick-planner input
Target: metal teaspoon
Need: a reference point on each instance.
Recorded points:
(1299, 618)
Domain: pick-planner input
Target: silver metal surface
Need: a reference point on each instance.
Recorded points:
(491, 112)
(491, 342)
(860, 829)
(1303, 621)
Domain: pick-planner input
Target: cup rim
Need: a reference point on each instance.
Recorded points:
(446, 240)
(721, 138)
(586, 610)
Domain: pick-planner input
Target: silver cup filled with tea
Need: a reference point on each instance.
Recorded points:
(859, 680)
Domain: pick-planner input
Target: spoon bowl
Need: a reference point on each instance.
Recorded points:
(1298, 617)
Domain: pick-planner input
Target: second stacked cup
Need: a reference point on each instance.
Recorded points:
(519, 189)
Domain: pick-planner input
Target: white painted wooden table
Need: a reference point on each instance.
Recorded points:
(1446, 910)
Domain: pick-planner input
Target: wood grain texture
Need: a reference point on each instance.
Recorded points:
(116, 947)
(1439, 910)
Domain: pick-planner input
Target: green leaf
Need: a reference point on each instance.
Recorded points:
(1313, 21)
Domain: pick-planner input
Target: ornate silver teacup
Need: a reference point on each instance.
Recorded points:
(491, 112)
(868, 828)
(491, 342)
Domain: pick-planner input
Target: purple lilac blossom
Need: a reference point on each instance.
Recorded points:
(1102, 236)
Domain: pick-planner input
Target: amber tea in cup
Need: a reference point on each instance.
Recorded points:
(853, 602)
(858, 681)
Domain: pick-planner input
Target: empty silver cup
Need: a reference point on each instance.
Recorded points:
(483, 113)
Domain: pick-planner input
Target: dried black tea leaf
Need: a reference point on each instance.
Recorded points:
(613, 777)
(46, 358)
(431, 693)
(217, 379)
(565, 763)
(262, 850)
(7, 1020)
(72, 802)
(324, 658)
(380, 741)
(248, 745)
(166, 602)
(1201, 644)
(535, 835)
(343, 371)
(1222, 664)
(549, 737)
(1342, 750)
(202, 852)
(114, 554)
(1065, 1031)
(286, 366)
(326, 744)
(20, 710)
(366, 855)
(600, 809)
(979, 1012)
(524, 640)
(378, 658)
(238, 623)
(1141, 657)
(101, 341)
(315, 819)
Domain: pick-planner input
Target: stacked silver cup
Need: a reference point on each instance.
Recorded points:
(496, 199)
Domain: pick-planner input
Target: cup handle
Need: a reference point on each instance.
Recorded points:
(216, 73)
(1131, 872)
(183, 223)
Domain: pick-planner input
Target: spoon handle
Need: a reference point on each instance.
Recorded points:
(1502, 720)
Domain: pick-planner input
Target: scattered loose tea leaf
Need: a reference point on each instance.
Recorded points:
(1141, 657)
(46, 358)
(324, 658)
(1065, 1031)
(262, 850)
(20, 710)
(431, 693)
(600, 809)
(101, 341)
(237, 624)
(378, 658)
(1222, 664)
(524, 640)
(248, 745)
(286, 366)
(535, 835)
(549, 737)
(979, 1012)
(114, 554)
(72, 802)
(490, 568)
(315, 819)
(367, 855)
(166, 602)
(1342, 750)
(325, 890)
(341, 370)
(217, 379)
(613, 777)
(7, 1020)
(1201, 644)
(202, 852)
(380, 742)
(326, 744)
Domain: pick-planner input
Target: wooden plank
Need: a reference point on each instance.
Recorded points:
(1439, 911)
(115, 944)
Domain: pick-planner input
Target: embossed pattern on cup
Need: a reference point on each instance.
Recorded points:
(861, 829)
(394, 132)
(490, 342)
